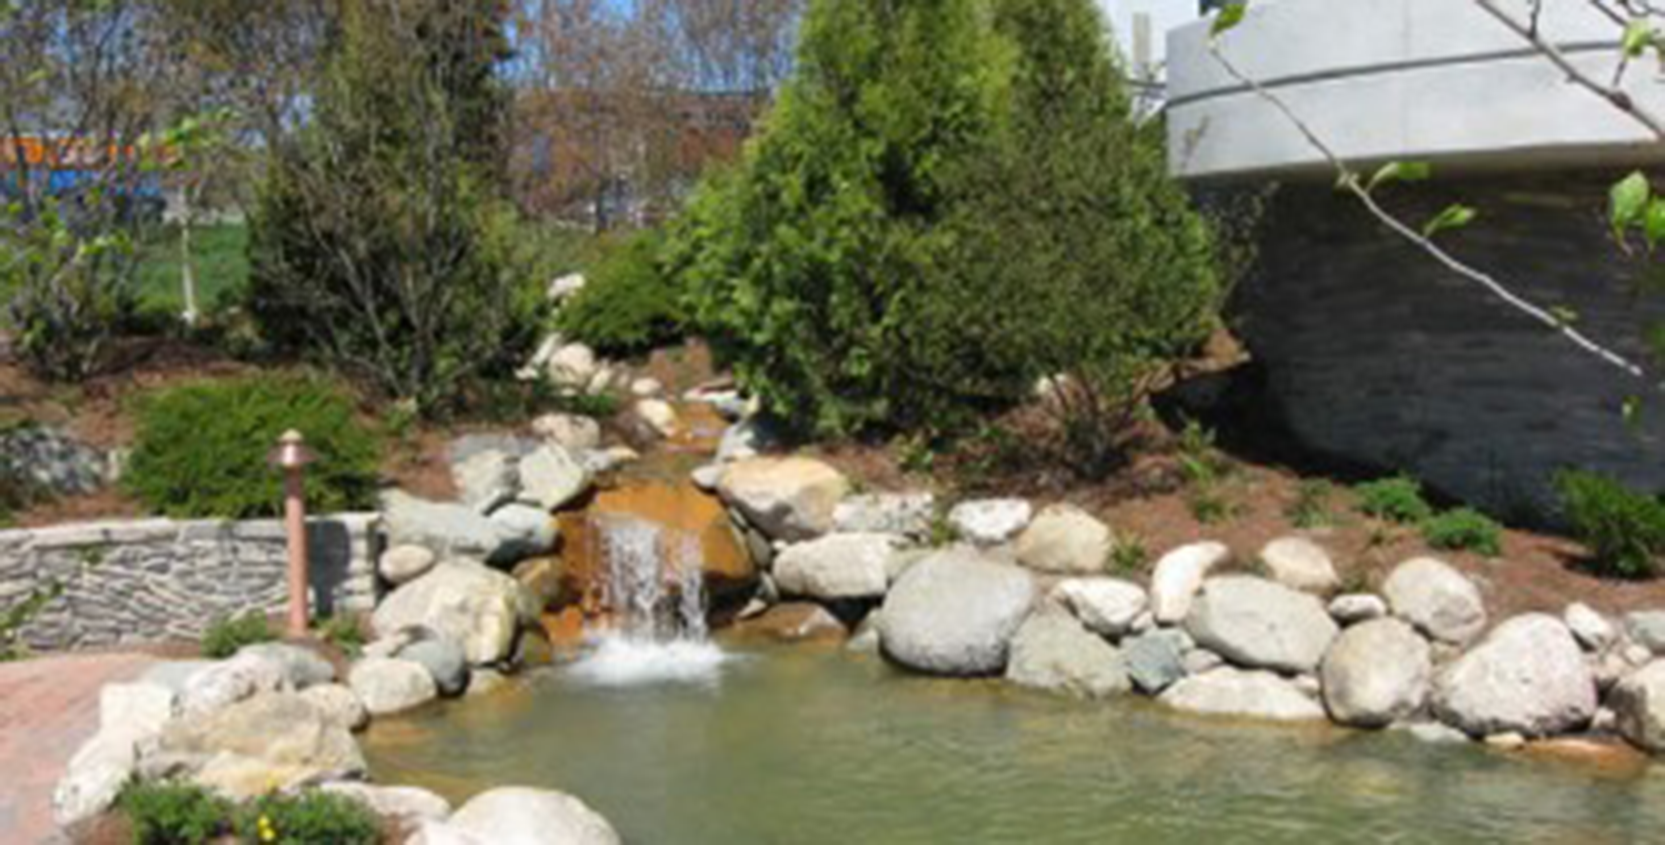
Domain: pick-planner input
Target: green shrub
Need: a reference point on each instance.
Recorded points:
(1624, 530)
(1397, 499)
(310, 818)
(224, 637)
(1464, 529)
(173, 813)
(629, 304)
(343, 632)
(201, 449)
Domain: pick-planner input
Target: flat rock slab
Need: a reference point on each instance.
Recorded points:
(48, 708)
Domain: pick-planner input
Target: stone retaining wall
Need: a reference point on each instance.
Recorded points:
(149, 580)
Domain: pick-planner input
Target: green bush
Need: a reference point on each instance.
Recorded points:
(310, 818)
(343, 632)
(201, 449)
(1624, 530)
(1464, 529)
(173, 813)
(225, 637)
(1397, 499)
(629, 304)
(947, 203)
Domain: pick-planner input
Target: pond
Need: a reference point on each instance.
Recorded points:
(812, 745)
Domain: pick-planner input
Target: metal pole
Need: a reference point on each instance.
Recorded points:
(294, 509)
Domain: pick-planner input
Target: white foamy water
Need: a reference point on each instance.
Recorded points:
(622, 661)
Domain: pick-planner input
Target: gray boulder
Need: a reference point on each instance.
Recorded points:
(391, 685)
(568, 431)
(990, 522)
(1378, 672)
(1155, 659)
(526, 532)
(551, 478)
(1437, 599)
(1053, 652)
(445, 660)
(302, 666)
(447, 528)
(955, 612)
(905, 515)
(1251, 695)
(481, 608)
(524, 816)
(1066, 540)
(1638, 704)
(1260, 624)
(486, 479)
(1107, 606)
(837, 566)
(1528, 676)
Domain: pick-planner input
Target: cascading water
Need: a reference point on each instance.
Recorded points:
(653, 589)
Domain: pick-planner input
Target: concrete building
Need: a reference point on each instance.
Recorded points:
(1374, 352)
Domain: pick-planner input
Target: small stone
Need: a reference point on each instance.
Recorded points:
(1107, 606)
(444, 659)
(1591, 629)
(1435, 733)
(788, 499)
(1510, 741)
(1300, 564)
(569, 431)
(706, 477)
(338, 705)
(404, 564)
(1156, 660)
(644, 387)
(1179, 575)
(837, 566)
(1066, 540)
(906, 515)
(1200, 660)
(1354, 608)
(660, 415)
(551, 478)
(1638, 704)
(990, 522)
(1437, 599)
(524, 816)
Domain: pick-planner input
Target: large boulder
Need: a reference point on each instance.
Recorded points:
(445, 660)
(1638, 704)
(526, 532)
(338, 703)
(130, 715)
(837, 566)
(1378, 672)
(302, 667)
(485, 478)
(1257, 623)
(1107, 606)
(1052, 651)
(230, 681)
(906, 515)
(1251, 695)
(568, 431)
(479, 607)
(1300, 564)
(1179, 575)
(447, 528)
(1066, 540)
(1527, 676)
(524, 816)
(990, 522)
(391, 685)
(551, 477)
(409, 805)
(1155, 659)
(403, 564)
(269, 742)
(1437, 599)
(792, 498)
(954, 613)
(1647, 629)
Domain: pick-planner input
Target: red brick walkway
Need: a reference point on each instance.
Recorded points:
(48, 707)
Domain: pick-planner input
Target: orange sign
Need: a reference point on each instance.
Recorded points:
(64, 153)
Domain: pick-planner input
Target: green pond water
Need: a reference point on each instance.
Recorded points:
(814, 745)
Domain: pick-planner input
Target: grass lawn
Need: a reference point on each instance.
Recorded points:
(222, 264)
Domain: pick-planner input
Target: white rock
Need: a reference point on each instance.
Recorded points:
(387, 685)
(837, 566)
(404, 564)
(479, 607)
(267, 743)
(550, 478)
(1591, 629)
(1261, 624)
(231, 681)
(1179, 575)
(1528, 676)
(644, 387)
(129, 715)
(790, 499)
(339, 705)
(1300, 564)
(1064, 539)
(660, 415)
(1354, 608)
(1638, 704)
(569, 431)
(566, 287)
(906, 515)
(1437, 599)
(572, 365)
(523, 816)
(1376, 673)
(990, 522)
(1232, 692)
(527, 532)
(1107, 606)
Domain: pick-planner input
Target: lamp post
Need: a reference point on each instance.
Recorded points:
(292, 456)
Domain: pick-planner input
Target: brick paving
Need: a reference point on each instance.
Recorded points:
(48, 707)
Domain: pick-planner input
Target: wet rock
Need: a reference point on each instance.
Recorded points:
(1179, 575)
(706, 477)
(1300, 564)
(1434, 733)
(551, 478)
(1591, 629)
(990, 522)
(390, 685)
(1053, 652)
(525, 532)
(837, 566)
(408, 805)
(571, 432)
(524, 816)
(1107, 606)
(749, 438)
(790, 499)
(479, 607)
(955, 612)
(1156, 660)
(1376, 673)
(1437, 599)
(444, 659)
(541, 577)
(404, 564)
(905, 515)
(1527, 676)
(660, 416)
(1233, 692)
(1354, 608)
(269, 742)
(1066, 540)
(794, 622)
(1257, 623)
(1638, 704)
(339, 705)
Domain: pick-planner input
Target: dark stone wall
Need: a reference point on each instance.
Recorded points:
(1378, 355)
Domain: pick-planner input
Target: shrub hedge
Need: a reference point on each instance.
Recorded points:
(1624, 530)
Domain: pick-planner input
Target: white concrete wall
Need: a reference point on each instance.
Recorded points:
(1379, 80)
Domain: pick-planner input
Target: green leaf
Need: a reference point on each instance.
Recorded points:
(1401, 171)
(1229, 17)
(1628, 200)
(1632, 410)
(1638, 35)
(1563, 315)
(1653, 223)
(1453, 217)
